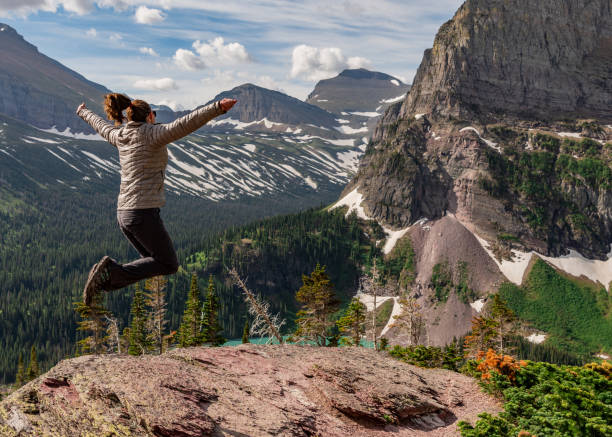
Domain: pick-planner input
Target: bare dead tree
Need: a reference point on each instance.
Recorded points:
(156, 300)
(112, 331)
(410, 319)
(263, 323)
(374, 290)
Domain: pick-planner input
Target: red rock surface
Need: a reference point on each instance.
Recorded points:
(244, 391)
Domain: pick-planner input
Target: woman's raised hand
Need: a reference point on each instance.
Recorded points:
(81, 106)
(226, 104)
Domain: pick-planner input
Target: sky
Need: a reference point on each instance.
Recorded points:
(183, 52)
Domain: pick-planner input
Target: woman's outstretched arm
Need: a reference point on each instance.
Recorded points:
(166, 133)
(104, 128)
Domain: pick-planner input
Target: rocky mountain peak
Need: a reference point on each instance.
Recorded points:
(500, 153)
(39, 90)
(527, 59)
(357, 90)
(7, 32)
(256, 103)
(362, 73)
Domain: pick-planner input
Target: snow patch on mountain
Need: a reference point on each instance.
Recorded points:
(349, 130)
(353, 201)
(43, 140)
(78, 135)
(489, 143)
(573, 263)
(393, 99)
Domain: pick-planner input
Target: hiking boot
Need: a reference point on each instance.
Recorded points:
(99, 276)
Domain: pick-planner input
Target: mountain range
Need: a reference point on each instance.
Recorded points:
(484, 178)
(58, 182)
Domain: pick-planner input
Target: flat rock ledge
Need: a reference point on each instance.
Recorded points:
(248, 390)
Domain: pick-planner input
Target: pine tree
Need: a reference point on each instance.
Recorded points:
(318, 303)
(245, 332)
(505, 323)
(210, 317)
(19, 378)
(33, 371)
(353, 322)
(483, 336)
(156, 300)
(93, 319)
(189, 332)
(139, 342)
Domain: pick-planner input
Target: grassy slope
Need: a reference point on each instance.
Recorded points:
(575, 314)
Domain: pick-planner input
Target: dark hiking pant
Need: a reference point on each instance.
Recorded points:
(145, 230)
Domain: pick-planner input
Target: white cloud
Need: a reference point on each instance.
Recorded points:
(212, 53)
(115, 37)
(312, 63)
(26, 7)
(163, 84)
(148, 51)
(92, 33)
(218, 52)
(187, 60)
(145, 15)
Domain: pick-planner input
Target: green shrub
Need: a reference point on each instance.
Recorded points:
(549, 400)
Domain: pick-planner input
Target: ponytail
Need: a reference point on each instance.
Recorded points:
(135, 110)
(114, 105)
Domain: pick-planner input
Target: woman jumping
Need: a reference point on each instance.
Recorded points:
(143, 156)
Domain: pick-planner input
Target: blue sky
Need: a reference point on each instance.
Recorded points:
(183, 52)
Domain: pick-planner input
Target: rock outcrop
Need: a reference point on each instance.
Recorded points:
(244, 391)
(548, 59)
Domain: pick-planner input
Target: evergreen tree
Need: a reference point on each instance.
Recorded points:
(189, 332)
(19, 379)
(210, 317)
(93, 320)
(33, 371)
(483, 336)
(156, 300)
(505, 323)
(139, 342)
(353, 322)
(245, 332)
(318, 303)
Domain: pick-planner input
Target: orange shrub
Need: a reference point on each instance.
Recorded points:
(502, 364)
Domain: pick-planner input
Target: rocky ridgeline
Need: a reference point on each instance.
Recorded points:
(542, 60)
(244, 391)
(39, 90)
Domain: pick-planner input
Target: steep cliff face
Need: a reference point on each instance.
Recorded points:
(40, 91)
(545, 59)
(504, 139)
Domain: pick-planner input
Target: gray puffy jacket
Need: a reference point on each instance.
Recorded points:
(143, 152)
